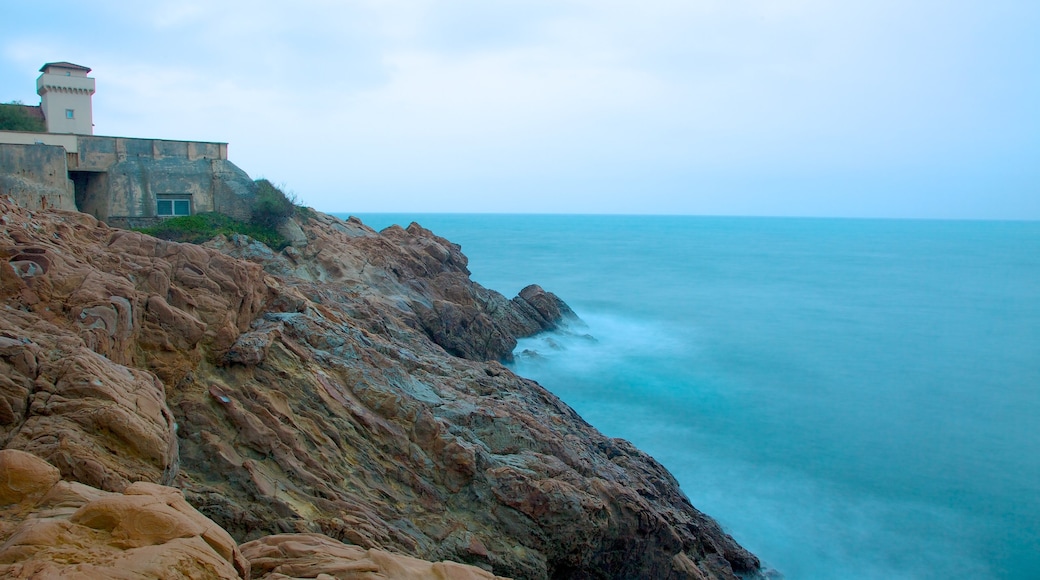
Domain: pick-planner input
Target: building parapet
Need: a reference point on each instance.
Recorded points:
(65, 84)
(97, 153)
(26, 138)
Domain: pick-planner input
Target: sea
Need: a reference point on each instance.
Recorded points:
(849, 398)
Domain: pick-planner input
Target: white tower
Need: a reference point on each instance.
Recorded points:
(65, 91)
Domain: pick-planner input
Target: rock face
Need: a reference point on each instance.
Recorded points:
(349, 386)
(59, 529)
(95, 324)
(291, 556)
(412, 276)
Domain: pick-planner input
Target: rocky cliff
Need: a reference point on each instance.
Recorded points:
(347, 389)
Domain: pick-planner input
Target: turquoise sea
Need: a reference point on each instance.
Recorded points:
(848, 398)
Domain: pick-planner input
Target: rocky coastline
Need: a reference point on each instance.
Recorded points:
(338, 407)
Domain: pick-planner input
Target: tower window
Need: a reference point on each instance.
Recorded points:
(70, 114)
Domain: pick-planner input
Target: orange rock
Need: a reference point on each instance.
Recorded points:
(24, 477)
(300, 556)
(57, 529)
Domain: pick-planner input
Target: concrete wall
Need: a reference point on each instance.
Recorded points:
(137, 171)
(100, 153)
(36, 176)
(118, 179)
(233, 190)
(135, 184)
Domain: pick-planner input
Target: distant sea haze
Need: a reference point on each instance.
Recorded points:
(848, 398)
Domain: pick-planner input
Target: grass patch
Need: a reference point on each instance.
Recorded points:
(199, 228)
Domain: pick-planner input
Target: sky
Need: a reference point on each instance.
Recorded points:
(851, 108)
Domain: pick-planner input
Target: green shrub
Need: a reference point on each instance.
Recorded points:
(14, 118)
(199, 228)
(271, 206)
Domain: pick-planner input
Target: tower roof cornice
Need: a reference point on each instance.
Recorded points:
(64, 64)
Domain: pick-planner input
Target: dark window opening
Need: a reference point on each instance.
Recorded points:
(171, 206)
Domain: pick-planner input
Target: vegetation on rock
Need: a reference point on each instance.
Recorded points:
(272, 206)
(198, 228)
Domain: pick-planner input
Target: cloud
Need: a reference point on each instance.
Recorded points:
(559, 100)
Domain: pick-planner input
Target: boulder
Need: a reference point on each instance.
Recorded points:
(58, 529)
(305, 556)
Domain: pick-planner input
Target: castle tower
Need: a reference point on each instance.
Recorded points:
(65, 91)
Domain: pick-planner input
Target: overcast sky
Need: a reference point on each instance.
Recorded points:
(874, 108)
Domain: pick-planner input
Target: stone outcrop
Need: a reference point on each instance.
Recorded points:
(421, 278)
(303, 556)
(59, 529)
(95, 324)
(348, 386)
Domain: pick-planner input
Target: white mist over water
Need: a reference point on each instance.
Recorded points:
(849, 398)
(622, 383)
